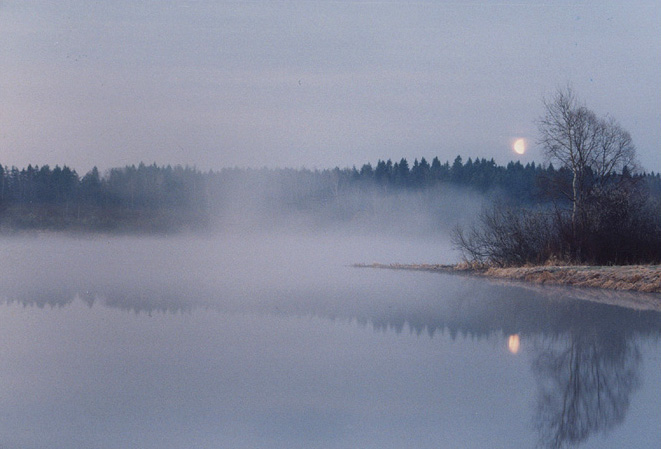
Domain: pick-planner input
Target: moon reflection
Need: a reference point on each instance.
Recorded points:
(513, 343)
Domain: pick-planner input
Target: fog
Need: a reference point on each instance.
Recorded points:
(267, 233)
(317, 203)
(259, 245)
(256, 330)
(222, 265)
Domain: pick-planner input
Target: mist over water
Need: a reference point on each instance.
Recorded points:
(167, 307)
(223, 271)
(269, 338)
(264, 201)
(260, 238)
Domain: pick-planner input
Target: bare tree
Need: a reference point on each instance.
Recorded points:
(506, 236)
(611, 218)
(594, 149)
(615, 150)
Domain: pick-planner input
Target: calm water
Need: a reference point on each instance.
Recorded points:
(274, 342)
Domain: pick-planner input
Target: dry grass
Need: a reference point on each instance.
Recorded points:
(639, 278)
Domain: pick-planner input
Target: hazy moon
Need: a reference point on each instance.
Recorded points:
(520, 146)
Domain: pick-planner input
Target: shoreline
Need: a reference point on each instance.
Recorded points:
(631, 278)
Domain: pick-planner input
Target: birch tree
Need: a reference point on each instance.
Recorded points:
(594, 149)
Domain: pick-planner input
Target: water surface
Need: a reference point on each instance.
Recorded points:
(274, 341)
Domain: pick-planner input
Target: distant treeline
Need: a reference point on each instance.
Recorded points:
(153, 198)
(517, 182)
(145, 198)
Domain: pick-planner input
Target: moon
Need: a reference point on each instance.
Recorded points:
(520, 146)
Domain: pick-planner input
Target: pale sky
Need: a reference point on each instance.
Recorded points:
(314, 84)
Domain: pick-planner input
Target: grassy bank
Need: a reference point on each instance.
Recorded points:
(638, 278)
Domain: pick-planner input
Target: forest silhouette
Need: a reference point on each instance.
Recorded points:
(151, 198)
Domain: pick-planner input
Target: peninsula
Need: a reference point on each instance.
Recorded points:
(638, 278)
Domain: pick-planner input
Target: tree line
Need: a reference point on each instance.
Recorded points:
(169, 198)
(142, 197)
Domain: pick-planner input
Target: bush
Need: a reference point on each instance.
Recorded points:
(508, 236)
(620, 225)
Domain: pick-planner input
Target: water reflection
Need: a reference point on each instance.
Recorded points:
(585, 383)
(586, 370)
(585, 356)
(514, 343)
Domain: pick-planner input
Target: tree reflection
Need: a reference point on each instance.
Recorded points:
(586, 377)
(586, 360)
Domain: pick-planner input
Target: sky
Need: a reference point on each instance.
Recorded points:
(314, 84)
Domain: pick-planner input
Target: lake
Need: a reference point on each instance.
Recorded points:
(274, 341)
